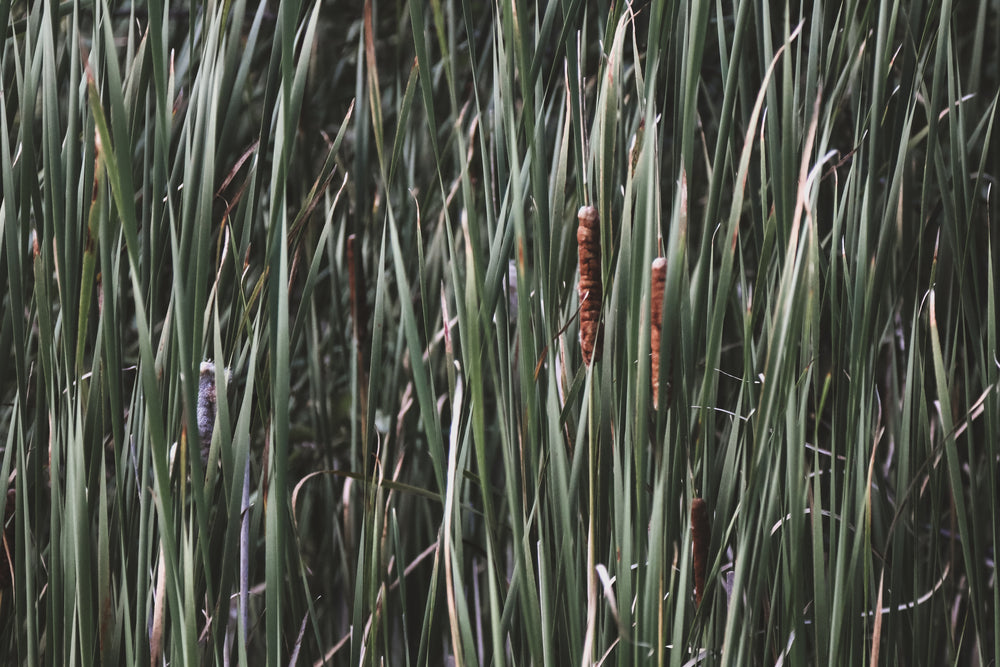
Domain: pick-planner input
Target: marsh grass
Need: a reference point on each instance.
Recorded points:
(447, 480)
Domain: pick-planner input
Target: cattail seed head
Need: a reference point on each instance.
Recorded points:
(358, 295)
(588, 240)
(658, 280)
(206, 407)
(701, 535)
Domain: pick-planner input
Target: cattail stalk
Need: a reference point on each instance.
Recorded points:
(700, 536)
(658, 280)
(588, 240)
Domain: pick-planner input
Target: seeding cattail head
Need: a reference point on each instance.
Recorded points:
(206, 407)
(700, 536)
(588, 240)
(658, 280)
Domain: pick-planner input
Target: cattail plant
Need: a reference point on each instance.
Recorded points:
(658, 279)
(700, 536)
(588, 239)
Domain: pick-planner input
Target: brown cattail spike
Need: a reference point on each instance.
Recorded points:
(588, 240)
(657, 281)
(358, 296)
(700, 536)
